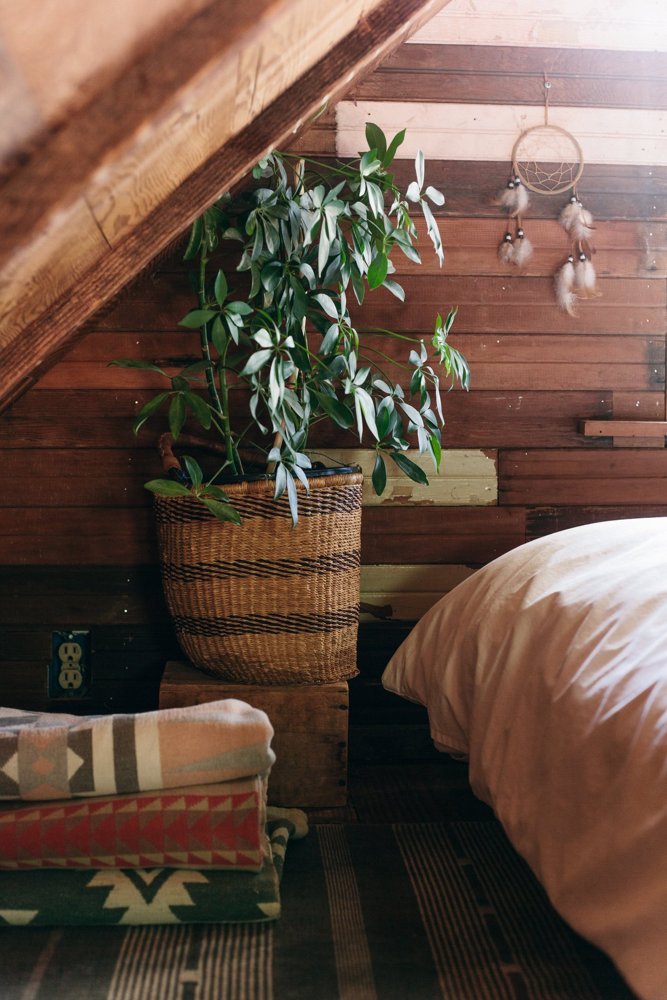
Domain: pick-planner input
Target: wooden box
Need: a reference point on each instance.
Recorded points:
(310, 723)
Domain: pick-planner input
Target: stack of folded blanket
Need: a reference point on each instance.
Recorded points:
(134, 819)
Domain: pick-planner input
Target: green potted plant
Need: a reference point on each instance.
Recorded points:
(279, 353)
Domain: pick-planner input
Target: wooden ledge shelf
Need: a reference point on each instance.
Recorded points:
(627, 433)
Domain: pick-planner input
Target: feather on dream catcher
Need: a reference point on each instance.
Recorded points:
(548, 160)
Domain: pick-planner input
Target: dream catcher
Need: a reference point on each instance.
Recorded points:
(548, 160)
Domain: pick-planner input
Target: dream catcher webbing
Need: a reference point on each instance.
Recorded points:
(548, 160)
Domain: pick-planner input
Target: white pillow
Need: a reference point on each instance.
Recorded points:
(548, 668)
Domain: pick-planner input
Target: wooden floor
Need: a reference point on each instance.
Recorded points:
(416, 791)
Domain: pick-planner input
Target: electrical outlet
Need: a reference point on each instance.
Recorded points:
(69, 669)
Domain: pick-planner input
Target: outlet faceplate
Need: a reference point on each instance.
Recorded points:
(69, 669)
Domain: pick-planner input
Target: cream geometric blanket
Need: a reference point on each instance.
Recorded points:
(51, 756)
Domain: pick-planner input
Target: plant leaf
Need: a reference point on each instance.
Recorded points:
(377, 272)
(328, 305)
(193, 469)
(218, 335)
(220, 288)
(223, 511)
(394, 288)
(334, 408)
(412, 414)
(379, 476)
(281, 481)
(330, 339)
(436, 450)
(293, 498)
(419, 168)
(196, 318)
(136, 363)
(383, 416)
(365, 400)
(412, 192)
(408, 467)
(176, 414)
(196, 368)
(148, 409)
(216, 493)
(199, 408)
(437, 197)
(376, 139)
(238, 308)
(167, 488)
(256, 361)
(392, 147)
(194, 243)
(375, 198)
(262, 338)
(433, 231)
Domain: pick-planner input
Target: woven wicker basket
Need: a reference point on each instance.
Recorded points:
(267, 602)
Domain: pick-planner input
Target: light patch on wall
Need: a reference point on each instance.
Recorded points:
(405, 593)
(633, 25)
(466, 478)
(489, 131)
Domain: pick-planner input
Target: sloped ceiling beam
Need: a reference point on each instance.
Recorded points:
(91, 197)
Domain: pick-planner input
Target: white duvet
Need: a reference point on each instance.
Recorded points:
(549, 669)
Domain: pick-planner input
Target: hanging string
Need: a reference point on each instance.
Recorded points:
(547, 88)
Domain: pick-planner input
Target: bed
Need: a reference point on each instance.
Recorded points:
(547, 669)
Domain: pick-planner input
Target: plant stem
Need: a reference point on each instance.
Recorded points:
(203, 341)
(232, 453)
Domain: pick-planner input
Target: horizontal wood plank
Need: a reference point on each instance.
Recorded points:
(76, 419)
(464, 478)
(470, 536)
(489, 131)
(560, 65)
(111, 478)
(572, 24)
(615, 490)
(624, 428)
(609, 190)
(486, 376)
(505, 74)
(508, 303)
(541, 521)
(75, 536)
(406, 592)
(558, 477)
(79, 596)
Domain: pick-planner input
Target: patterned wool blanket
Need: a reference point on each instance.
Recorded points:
(219, 825)
(130, 896)
(51, 756)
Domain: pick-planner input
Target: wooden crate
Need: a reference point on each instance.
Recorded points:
(310, 723)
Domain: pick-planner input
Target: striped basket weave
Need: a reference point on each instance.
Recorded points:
(267, 602)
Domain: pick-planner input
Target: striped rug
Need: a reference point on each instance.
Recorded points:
(408, 911)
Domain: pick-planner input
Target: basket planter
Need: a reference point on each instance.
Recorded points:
(267, 602)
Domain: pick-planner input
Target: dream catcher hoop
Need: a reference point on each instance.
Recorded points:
(539, 163)
(548, 160)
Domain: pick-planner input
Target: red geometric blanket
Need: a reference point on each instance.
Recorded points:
(210, 826)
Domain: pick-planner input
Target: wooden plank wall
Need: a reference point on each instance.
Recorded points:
(76, 539)
(536, 372)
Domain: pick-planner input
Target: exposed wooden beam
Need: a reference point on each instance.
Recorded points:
(125, 175)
